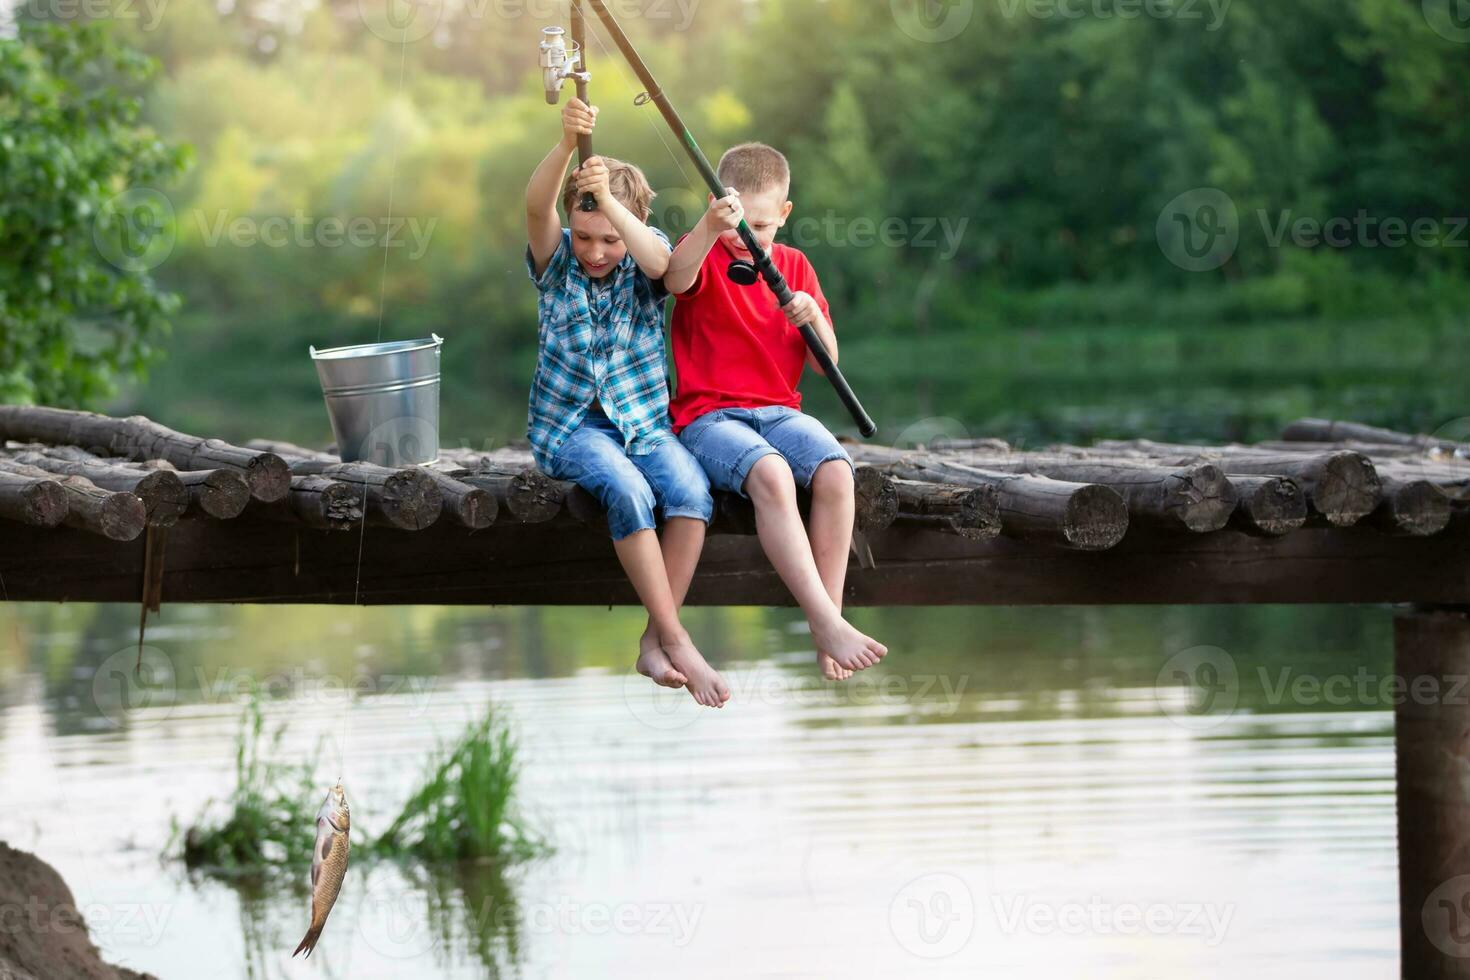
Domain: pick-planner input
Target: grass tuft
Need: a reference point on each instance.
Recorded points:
(465, 809)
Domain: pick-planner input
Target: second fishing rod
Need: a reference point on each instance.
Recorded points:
(761, 266)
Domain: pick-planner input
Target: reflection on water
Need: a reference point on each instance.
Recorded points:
(1119, 793)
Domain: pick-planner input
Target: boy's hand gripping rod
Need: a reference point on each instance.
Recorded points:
(740, 272)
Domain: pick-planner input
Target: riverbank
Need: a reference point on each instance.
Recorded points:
(43, 936)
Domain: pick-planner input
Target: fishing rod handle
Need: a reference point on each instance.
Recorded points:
(584, 140)
(850, 401)
(584, 153)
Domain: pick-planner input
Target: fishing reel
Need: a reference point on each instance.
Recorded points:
(743, 273)
(558, 63)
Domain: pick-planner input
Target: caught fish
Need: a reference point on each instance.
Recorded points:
(328, 863)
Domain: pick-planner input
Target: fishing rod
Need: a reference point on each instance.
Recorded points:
(744, 273)
(557, 65)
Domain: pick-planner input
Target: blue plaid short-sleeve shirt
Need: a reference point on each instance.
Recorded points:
(598, 339)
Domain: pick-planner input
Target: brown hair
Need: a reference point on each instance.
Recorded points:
(627, 183)
(754, 167)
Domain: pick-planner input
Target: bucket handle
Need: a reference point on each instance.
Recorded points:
(438, 340)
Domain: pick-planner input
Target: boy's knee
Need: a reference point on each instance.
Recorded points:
(770, 478)
(833, 478)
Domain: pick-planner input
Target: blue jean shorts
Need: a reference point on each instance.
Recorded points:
(729, 441)
(631, 488)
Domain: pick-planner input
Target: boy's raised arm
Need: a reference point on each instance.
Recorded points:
(689, 255)
(543, 226)
(651, 254)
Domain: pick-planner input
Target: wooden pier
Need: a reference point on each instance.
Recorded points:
(126, 510)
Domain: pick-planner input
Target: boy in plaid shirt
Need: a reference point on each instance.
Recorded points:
(599, 406)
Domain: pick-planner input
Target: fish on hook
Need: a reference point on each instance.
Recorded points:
(328, 863)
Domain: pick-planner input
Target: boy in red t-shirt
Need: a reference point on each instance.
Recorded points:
(739, 356)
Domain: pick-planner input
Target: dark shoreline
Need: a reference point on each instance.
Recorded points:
(42, 935)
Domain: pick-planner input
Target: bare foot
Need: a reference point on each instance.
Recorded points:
(703, 681)
(655, 664)
(848, 648)
(831, 669)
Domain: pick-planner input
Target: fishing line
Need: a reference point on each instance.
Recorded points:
(362, 516)
(382, 303)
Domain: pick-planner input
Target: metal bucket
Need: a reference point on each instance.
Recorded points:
(383, 400)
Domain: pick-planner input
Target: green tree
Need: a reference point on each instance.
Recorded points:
(81, 218)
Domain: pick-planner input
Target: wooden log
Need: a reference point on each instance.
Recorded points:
(734, 515)
(469, 506)
(1342, 487)
(1268, 506)
(497, 486)
(117, 515)
(580, 507)
(409, 498)
(876, 498)
(1323, 430)
(1413, 507)
(286, 449)
(1373, 450)
(970, 512)
(219, 493)
(1432, 769)
(949, 445)
(1452, 481)
(163, 494)
(405, 499)
(32, 500)
(521, 488)
(317, 502)
(1032, 508)
(1194, 497)
(140, 438)
(530, 496)
(1450, 474)
(1187, 496)
(470, 459)
(222, 494)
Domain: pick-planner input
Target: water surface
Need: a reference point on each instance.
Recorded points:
(1068, 793)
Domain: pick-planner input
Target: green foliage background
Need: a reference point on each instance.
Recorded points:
(1057, 140)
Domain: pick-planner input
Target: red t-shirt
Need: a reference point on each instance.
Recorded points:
(733, 347)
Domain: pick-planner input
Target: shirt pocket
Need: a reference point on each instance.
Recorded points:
(569, 332)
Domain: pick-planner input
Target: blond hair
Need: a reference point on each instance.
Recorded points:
(628, 186)
(751, 168)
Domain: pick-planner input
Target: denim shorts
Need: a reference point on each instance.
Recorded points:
(632, 487)
(728, 442)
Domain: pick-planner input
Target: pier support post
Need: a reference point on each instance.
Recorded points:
(1432, 752)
